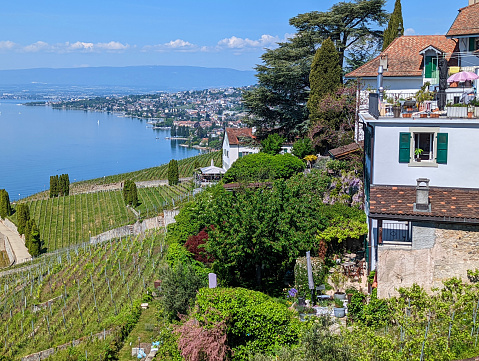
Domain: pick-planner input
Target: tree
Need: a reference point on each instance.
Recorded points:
(395, 27)
(5, 206)
(23, 215)
(272, 144)
(325, 77)
(64, 185)
(302, 148)
(278, 102)
(130, 193)
(196, 245)
(283, 80)
(35, 248)
(173, 174)
(345, 23)
(54, 186)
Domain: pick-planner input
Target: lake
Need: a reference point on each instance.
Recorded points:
(38, 141)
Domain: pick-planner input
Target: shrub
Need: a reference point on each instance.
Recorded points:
(256, 323)
(302, 148)
(272, 144)
(195, 245)
(178, 288)
(262, 166)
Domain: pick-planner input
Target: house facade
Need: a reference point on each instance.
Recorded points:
(411, 61)
(237, 142)
(421, 199)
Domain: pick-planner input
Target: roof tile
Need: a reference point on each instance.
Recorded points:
(466, 22)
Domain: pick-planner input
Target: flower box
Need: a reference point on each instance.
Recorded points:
(457, 112)
(423, 115)
(406, 115)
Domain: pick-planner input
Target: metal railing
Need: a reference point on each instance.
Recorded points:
(396, 232)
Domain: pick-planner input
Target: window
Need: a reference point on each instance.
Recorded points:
(473, 44)
(423, 147)
(430, 69)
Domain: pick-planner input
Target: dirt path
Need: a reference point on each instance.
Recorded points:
(18, 246)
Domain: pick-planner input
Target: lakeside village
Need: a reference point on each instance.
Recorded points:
(343, 225)
(199, 117)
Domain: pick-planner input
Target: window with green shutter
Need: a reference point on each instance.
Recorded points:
(404, 147)
(441, 148)
(472, 44)
(430, 67)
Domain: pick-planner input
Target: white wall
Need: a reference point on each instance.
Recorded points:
(461, 170)
(231, 152)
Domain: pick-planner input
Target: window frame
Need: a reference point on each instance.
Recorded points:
(423, 163)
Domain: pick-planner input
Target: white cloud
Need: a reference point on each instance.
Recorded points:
(79, 45)
(409, 31)
(240, 43)
(38, 46)
(67, 47)
(175, 45)
(7, 44)
(112, 45)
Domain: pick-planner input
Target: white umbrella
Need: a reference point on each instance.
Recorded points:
(462, 76)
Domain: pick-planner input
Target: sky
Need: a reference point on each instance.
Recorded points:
(208, 33)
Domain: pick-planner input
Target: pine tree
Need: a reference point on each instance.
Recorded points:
(173, 175)
(325, 76)
(395, 25)
(23, 215)
(5, 206)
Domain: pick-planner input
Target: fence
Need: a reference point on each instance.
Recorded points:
(396, 232)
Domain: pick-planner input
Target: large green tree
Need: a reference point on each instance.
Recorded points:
(395, 25)
(279, 100)
(324, 78)
(346, 23)
(5, 206)
(272, 144)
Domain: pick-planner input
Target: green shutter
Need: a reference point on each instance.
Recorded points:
(472, 44)
(404, 147)
(428, 67)
(441, 148)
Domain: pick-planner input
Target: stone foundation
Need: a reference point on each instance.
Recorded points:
(438, 252)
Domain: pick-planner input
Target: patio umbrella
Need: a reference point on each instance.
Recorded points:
(462, 76)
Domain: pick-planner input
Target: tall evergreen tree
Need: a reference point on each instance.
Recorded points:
(34, 244)
(395, 25)
(64, 185)
(130, 193)
(5, 206)
(54, 186)
(23, 215)
(325, 76)
(28, 233)
(173, 174)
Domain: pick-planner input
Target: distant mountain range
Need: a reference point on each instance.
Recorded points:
(159, 78)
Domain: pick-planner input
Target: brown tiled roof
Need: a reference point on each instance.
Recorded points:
(344, 150)
(235, 134)
(466, 23)
(404, 58)
(447, 204)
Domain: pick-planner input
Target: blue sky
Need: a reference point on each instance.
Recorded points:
(210, 33)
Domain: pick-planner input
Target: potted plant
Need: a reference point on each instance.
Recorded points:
(396, 110)
(475, 105)
(457, 110)
(338, 279)
(417, 153)
(339, 309)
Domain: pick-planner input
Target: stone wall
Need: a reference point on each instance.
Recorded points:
(10, 225)
(438, 252)
(6, 246)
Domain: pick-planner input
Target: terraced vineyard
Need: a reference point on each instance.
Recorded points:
(77, 293)
(185, 167)
(70, 220)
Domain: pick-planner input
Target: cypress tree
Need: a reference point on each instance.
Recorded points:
(28, 233)
(34, 244)
(173, 174)
(395, 25)
(23, 215)
(54, 186)
(325, 76)
(126, 190)
(5, 206)
(133, 195)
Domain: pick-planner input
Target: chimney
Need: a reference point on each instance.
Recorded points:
(422, 196)
(472, 2)
(380, 82)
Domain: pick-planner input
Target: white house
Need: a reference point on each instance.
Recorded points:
(422, 205)
(237, 142)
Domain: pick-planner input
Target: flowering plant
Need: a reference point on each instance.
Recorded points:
(292, 293)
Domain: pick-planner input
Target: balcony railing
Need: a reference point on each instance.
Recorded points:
(396, 232)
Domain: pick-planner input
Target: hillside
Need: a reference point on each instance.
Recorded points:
(154, 78)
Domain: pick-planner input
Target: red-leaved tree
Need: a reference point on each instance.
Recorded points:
(195, 244)
(198, 343)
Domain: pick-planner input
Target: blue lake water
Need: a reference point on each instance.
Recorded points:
(37, 142)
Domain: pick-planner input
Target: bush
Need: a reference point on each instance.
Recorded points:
(303, 147)
(272, 144)
(179, 285)
(256, 323)
(262, 166)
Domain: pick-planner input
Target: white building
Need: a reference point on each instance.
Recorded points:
(422, 206)
(237, 142)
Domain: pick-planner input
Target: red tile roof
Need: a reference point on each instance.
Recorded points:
(404, 58)
(466, 23)
(345, 150)
(235, 134)
(451, 204)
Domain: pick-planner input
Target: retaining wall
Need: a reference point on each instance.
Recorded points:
(7, 247)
